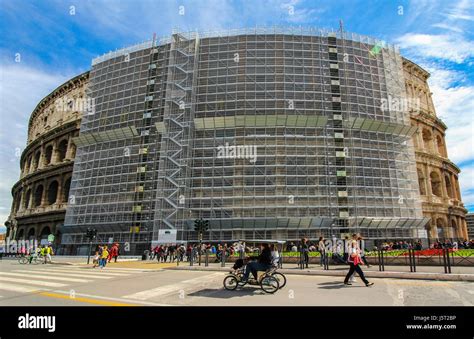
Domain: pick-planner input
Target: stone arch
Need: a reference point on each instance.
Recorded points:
(38, 196)
(453, 229)
(27, 165)
(52, 192)
(18, 199)
(448, 185)
(48, 154)
(456, 188)
(21, 233)
(31, 233)
(427, 139)
(73, 150)
(37, 159)
(421, 181)
(440, 145)
(66, 188)
(26, 203)
(435, 180)
(441, 227)
(45, 231)
(62, 150)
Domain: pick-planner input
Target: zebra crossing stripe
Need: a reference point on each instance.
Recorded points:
(168, 289)
(80, 275)
(86, 271)
(33, 282)
(43, 276)
(113, 269)
(16, 288)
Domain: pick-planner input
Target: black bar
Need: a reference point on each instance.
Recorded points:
(383, 262)
(414, 260)
(444, 261)
(138, 322)
(448, 259)
(89, 254)
(409, 260)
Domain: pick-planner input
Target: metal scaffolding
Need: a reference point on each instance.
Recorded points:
(308, 147)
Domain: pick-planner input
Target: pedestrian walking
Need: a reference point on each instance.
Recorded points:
(113, 253)
(49, 253)
(95, 260)
(43, 254)
(354, 261)
(104, 256)
(322, 250)
(305, 249)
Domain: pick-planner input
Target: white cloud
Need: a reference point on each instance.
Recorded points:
(466, 181)
(448, 27)
(455, 106)
(443, 46)
(461, 11)
(21, 88)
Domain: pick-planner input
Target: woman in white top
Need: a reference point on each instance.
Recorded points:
(275, 255)
(354, 261)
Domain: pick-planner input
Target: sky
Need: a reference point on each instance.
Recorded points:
(46, 42)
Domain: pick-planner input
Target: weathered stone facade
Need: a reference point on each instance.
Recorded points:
(40, 196)
(437, 175)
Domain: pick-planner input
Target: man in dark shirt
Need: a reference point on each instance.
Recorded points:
(264, 262)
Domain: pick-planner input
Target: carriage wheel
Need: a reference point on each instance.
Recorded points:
(281, 278)
(269, 284)
(231, 282)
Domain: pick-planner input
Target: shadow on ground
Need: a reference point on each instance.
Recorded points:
(224, 294)
(334, 285)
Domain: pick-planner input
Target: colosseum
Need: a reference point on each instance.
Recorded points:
(40, 196)
(437, 175)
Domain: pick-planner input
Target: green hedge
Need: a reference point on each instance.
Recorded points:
(394, 253)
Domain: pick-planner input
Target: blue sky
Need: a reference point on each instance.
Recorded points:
(56, 40)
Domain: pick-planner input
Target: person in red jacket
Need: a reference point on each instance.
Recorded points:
(113, 252)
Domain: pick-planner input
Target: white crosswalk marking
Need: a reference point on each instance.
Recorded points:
(32, 282)
(112, 269)
(16, 288)
(472, 292)
(86, 271)
(47, 277)
(80, 275)
(164, 290)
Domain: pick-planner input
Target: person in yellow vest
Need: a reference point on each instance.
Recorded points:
(43, 253)
(49, 253)
(104, 256)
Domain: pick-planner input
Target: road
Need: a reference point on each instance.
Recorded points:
(76, 285)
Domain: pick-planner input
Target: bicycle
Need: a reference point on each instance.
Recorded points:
(26, 259)
(267, 282)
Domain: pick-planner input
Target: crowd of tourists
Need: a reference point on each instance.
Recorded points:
(104, 254)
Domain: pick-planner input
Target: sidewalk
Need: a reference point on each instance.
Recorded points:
(394, 272)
